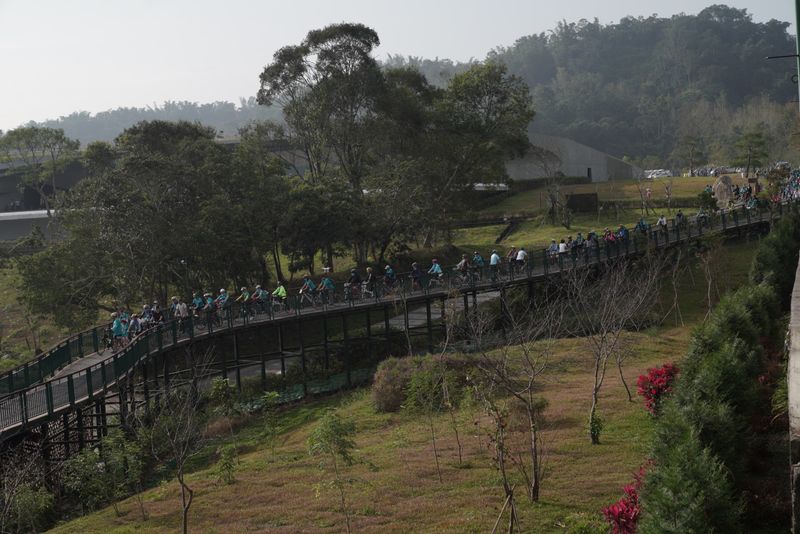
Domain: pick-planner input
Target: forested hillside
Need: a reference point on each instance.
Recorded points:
(651, 88)
(225, 117)
(646, 86)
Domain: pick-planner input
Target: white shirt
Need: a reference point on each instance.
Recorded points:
(521, 255)
(494, 259)
(562, 247)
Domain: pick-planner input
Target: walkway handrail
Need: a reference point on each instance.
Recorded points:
(48, 363)
(75, 347)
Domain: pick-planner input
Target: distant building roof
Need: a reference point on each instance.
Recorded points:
(23, 215)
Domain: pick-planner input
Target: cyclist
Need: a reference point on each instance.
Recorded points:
(308, 291)
(244, 300)
(494, 264)
(369, 283)
(147, 317)
(436, 269)
(119, 332)
(579, 240)
(134, 327)
(198, 303)
(210, 310)
(511, 257)
(279, 295)
(260, 298)
(352, 288)
(416, 276)
(223, 303)
(662, 223)
(522, 258)
(462, 268)
(642, 226)
(389, 278)
(552, 251)
(478, 263)
(435, 272)
(680, 219)
(622, 232)
(326, 288)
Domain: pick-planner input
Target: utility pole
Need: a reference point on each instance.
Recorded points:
(797, 45)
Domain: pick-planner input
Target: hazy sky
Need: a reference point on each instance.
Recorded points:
(60, 56)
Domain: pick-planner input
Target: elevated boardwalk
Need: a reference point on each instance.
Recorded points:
(76, 378)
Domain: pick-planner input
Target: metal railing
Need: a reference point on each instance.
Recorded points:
(38, 402)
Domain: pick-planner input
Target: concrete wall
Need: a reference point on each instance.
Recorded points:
(576, 160)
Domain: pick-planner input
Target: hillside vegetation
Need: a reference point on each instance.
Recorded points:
(393, 484)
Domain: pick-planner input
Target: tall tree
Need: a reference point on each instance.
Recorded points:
(751, 151)
(328, 85)
(41, 153)
(478, 123)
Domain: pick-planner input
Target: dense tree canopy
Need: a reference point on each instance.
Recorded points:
(366, 160)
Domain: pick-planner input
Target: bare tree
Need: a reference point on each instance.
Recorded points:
(604, 301)
(497, 411)
(708, 254)
(23, 499)
(174, 427)
(513, 367)
(549, 161)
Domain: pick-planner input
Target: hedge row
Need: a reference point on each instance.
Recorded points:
(704, 435)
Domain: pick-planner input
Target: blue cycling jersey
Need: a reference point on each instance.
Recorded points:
(435, 269)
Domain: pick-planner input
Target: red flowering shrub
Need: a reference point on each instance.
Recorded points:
(656, 384)
(623, 515)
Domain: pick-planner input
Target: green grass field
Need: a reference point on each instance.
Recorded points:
(394, 485)
(535, 199)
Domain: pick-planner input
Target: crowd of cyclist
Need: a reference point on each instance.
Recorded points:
(211, 309)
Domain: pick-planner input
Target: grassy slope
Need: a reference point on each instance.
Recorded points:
(682, 188)
(396, 488)
(15, 336)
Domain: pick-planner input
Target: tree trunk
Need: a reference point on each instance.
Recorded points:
(535, 482)
(329, 253)
(435, 451)
(186, 498)
(593, 436)
(276, 258)
(342, 500)
(624, 382)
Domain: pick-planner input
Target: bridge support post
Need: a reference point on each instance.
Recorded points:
(145, 388)
(236, 362)
(466, 307)
(302, 356)
(65, 424)
(387, 343)
(429, 324)
(122, 397)
(347, 356)
(79, 424)
(98, 420)
(325, 341)
(369, 335)
(155, 378)
(443, 317)
(166, 370)
(282, 350)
